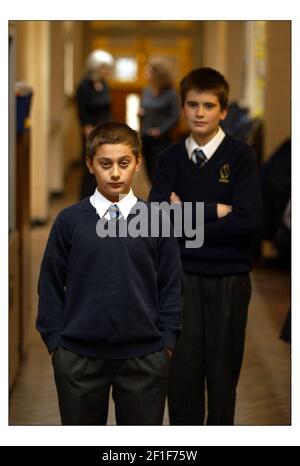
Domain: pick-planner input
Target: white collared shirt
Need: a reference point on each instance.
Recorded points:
(101, 204)
(209, 149)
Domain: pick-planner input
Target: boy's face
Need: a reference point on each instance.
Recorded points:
(114, 166)
(202, 112)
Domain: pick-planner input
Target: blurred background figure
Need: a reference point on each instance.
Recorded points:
(242, 125)
(94, 105)
(276, 189)
(159, 111)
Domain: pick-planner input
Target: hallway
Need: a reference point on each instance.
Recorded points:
(264, 390)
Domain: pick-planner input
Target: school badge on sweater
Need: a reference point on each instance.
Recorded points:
(224, 173)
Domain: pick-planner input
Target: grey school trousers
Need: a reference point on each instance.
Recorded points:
(208, 354)
(139, 388)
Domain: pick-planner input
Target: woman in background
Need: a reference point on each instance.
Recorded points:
(94, 105)
(159, 112)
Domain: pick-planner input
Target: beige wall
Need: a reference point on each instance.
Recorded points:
(215, 45)
(33, 61)
(224, 50)
(55, 133)
(71, 127)
(235, 58)
(253, 54)
(278, 85)
(56, 152)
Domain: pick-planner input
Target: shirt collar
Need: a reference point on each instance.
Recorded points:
(209, 149)
(101, 203)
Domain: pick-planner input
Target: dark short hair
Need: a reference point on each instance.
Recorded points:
(205, 79)
(113, 132)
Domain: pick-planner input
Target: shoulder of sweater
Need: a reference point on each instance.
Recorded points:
(73, 211)
(239, 146)
(174, 150)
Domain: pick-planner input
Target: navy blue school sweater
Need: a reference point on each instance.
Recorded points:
(111, 297)
(229, 177)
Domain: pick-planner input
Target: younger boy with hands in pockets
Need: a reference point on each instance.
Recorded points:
(109, 307)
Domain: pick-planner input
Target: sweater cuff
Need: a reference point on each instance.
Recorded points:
(51, 341)
(210, 212)
(170, 338)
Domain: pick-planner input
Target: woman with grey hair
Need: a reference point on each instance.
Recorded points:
(159, 111)
(94, 105)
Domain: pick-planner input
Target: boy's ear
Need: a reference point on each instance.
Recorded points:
(89, 164)
(139, 160)
(224, 114)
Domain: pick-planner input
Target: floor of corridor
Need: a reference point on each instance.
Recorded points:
(263, 396)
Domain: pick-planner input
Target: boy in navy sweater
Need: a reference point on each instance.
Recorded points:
(109, 293)
(214, 168)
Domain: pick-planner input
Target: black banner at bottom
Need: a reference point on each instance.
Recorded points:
(93, 455)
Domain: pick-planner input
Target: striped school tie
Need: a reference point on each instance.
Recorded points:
(199, 157)
(114, 212)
